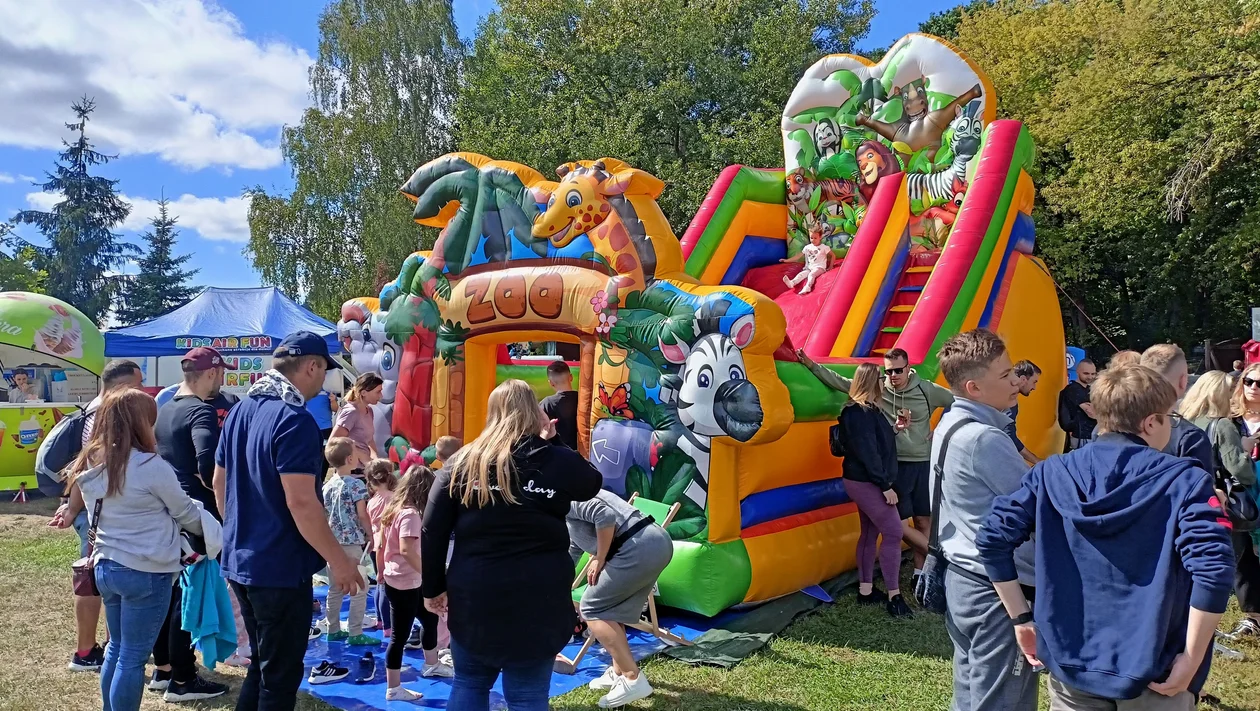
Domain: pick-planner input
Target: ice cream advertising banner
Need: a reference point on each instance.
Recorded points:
(22, 430)
(46, 325)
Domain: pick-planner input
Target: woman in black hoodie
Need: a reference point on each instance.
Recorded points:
(870, 468)
(505, 497)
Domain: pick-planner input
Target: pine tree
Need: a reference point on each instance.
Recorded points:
(161, 285)
(82, 250)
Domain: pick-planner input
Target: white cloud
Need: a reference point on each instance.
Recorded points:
(217, 219)
(175, 78)
(6, 178)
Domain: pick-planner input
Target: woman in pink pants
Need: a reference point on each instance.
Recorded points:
(870, 468)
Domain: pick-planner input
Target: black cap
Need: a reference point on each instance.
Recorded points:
(305, 343)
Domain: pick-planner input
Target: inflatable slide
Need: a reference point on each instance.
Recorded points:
(689, 388)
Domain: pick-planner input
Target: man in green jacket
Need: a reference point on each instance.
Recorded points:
(908, 403)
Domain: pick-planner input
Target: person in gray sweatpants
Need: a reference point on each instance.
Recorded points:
(981, 463)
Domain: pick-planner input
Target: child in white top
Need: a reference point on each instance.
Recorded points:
(818, 258)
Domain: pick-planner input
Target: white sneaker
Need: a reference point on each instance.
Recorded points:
(440, 669)
(402, 693)
(237, 660)
(605, 681)
(444, 656)
(625, 692)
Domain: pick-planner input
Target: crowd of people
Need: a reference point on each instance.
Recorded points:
(1133, 509)
(289, 496)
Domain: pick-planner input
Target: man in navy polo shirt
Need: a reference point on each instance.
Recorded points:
(267, 480)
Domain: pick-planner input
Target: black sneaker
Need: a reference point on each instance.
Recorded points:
(877, 597)
(90, 662)
(161, 680)
(367, 669)
(198, 688)
(314, 634)
(1246, 627)
(897, 607)
(327, 673)
(415, 641)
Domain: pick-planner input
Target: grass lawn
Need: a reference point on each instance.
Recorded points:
(844, 657)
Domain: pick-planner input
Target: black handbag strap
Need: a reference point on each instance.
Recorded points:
(938, 471)
(93, 522)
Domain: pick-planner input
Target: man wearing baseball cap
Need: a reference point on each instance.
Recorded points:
(267, 478)
(187, 433)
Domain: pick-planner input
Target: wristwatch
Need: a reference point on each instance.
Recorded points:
(1022, 619)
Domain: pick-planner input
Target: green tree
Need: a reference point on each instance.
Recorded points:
(161, 284)
(677, 88)
(383, 88)
(945, 24)
(1147, 170)
(82, 250)
(18, 271)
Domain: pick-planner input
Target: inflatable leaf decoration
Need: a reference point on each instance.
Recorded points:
(900, 147)
(841, 165)
(850, 81)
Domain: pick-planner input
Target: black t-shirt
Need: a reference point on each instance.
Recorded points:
(562, 407)
(187, 432)
(508, 584)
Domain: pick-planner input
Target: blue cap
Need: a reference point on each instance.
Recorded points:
(305, 343)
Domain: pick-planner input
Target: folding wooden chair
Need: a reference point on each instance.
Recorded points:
(664, 516)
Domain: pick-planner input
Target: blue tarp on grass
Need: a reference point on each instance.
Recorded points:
(351, 696)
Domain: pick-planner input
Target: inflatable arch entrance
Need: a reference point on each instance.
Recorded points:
(689, 389)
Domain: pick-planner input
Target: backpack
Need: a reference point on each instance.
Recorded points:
(57, 451)
(836, 438)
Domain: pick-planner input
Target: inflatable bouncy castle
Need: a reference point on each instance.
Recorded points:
(689, 387)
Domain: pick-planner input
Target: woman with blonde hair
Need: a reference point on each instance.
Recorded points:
(1245, 408)
(356, 419)
(870, 468)
(137, 510)
(505, 496)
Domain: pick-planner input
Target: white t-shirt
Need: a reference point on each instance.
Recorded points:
(815, 256)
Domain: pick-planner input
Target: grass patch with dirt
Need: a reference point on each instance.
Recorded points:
(843, 658)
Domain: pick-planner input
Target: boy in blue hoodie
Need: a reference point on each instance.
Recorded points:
(1143, 532)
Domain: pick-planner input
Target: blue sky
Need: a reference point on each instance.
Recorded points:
(192, 96)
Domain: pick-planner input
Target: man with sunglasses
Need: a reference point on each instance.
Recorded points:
(908, 404)
(1187, 440)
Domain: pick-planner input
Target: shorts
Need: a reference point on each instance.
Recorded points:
(81, 528)
(914, 492)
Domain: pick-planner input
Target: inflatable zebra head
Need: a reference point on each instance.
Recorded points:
(713, 393)
(967, 125)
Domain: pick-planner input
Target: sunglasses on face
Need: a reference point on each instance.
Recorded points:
(1251, 382)
(896, 371)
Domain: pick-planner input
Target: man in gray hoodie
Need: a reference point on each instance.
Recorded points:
(980, 464)
(908, 404)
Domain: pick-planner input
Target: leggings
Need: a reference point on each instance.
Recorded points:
(407, 606)
(174, 646)
(1246, 574)
(876, 518)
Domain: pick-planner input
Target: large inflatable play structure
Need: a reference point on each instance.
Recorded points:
(689, 387)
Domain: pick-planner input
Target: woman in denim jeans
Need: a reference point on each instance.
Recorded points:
(137, 545)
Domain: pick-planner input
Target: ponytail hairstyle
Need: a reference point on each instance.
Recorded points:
(412, 493)
(365, 383)
(124, 422)
(482, 470)
(380, 475)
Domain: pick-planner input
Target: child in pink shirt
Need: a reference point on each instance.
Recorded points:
(381, 481)
(401, 575)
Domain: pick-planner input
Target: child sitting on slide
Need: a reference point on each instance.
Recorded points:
(818, 258)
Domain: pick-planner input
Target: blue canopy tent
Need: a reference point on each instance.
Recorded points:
(229, 320)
